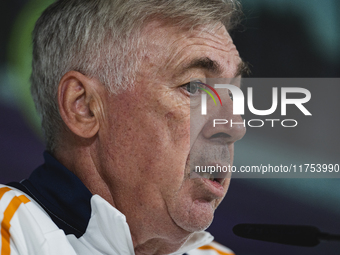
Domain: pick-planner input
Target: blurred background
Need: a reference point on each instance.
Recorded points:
(280, 39)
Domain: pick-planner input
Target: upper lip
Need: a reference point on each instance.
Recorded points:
(218, 177)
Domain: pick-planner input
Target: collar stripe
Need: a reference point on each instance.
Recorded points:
(6, 221)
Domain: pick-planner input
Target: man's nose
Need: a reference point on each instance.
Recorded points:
(223, 127)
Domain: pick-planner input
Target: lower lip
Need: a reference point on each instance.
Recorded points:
(214, 187)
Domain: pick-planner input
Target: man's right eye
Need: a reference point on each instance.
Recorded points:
(192, 87)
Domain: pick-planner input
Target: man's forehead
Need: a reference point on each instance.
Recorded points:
(157, 30)
(176, 46)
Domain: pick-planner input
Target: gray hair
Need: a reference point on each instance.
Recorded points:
(101, 39)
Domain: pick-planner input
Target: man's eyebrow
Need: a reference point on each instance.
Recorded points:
(204, 63)
(242, 69)
(214, 67)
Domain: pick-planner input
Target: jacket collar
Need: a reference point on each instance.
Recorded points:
(89, 217)
(63, 196)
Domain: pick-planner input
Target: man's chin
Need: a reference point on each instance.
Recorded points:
(198, 218)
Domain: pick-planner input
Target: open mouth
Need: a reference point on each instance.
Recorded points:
(211, 177)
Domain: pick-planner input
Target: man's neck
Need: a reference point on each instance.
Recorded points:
(149, 241)
(157, 246)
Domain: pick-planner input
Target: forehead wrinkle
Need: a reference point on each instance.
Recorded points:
(226, 47)
(200, 62)
(203, 63)
(204, 38)
(179, 55)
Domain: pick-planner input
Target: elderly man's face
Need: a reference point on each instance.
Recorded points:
(146, 136)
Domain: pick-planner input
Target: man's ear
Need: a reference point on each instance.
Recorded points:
(80, 103)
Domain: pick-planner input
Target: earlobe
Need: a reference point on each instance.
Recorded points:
(77, 101)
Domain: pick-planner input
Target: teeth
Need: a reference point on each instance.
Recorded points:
(206, 175)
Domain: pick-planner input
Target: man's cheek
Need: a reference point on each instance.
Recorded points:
(178, 123)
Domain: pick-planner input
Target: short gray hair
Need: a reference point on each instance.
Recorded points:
(100, 38)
